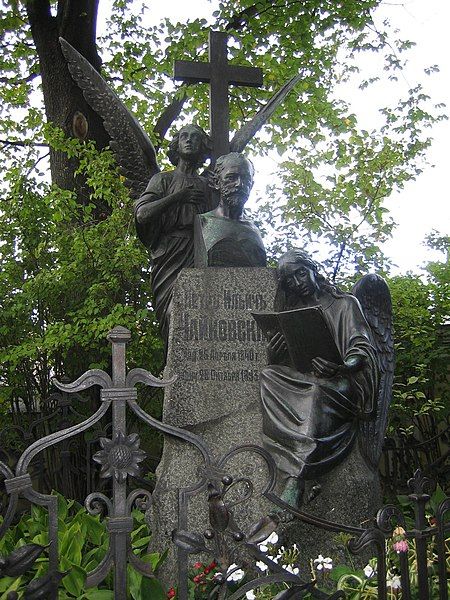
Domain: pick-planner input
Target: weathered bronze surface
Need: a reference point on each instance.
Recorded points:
(219, 74)
(165, 215)
(223, 237)
(312, 415)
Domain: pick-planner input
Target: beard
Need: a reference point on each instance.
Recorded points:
(234, 199)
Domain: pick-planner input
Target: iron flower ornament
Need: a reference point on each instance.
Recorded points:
(120, 456)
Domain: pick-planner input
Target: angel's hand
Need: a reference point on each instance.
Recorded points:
(353, 363)
(193, 195)
(276, 347)
(326, 368)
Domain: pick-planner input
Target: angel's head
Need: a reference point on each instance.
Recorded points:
(299, 275)
(190, 143)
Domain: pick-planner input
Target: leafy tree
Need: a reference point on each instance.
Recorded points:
(420, 409)
(67, 280)
(70, 265)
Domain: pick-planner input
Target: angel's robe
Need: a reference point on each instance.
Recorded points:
(310, 422)
(169, 237)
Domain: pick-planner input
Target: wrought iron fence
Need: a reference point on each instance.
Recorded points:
(120, 457)
(427, 449)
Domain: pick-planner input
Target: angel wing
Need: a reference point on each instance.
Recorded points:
(375, 299)
(248, 130)
(132, 147)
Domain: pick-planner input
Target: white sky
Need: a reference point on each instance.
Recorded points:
(424, 204)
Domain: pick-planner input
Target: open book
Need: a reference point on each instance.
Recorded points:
(306, 333)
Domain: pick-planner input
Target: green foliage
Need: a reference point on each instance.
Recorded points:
(66, 279)
(421, 315)
(314, 128)
(83, 542)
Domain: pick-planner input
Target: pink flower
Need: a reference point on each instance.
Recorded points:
(171, 593)
(399, 541)
(400, 546)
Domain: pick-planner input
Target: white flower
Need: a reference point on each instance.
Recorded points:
(323, 563)
(369, 571)
(291, 569)
(250, 595)
(261, 565)
(234, 574)
(393, 581)
(277, 558)
(272, 539)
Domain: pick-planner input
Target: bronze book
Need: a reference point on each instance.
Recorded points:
(306, 333)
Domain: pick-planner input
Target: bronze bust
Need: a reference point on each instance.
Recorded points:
(223, 236)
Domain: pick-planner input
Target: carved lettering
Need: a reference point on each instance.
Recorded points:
(238, 301)
(220, 375)
(223, 330)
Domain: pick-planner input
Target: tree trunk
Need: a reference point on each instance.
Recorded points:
(65, 106)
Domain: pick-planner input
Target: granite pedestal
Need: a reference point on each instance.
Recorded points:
(217, 353)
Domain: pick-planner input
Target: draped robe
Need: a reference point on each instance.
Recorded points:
(309, 421)
(169, 236)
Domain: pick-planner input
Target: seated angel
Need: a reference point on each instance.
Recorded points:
(311, 420)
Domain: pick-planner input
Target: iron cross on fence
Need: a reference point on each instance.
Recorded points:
(219, 74)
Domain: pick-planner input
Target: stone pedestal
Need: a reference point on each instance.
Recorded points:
(217, 353)
(349, 495)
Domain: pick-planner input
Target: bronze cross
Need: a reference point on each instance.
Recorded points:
(219, 74)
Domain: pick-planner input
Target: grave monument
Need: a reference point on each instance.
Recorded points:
(218, 352)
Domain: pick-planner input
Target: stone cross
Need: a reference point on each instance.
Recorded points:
(219, 74)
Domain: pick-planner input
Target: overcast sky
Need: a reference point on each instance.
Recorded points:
(424, 204)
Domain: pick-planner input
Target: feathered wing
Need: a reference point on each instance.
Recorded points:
(375, 299)
(132, 147)
(247, 131)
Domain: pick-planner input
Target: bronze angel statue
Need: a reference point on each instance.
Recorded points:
(314, 413)
(168, 202)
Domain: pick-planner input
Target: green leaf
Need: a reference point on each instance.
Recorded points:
(74, 581)
(98, 595)
(95, 530)
(134, 583)
(151, 588)
(339, 570)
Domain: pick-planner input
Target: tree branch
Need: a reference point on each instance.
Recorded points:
(23, 144)
(38, 10)
(77, 23)
(18, 81)
(338, 261)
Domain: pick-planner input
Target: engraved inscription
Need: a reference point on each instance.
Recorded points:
(218, 375)
(220, 330)
(221, 341)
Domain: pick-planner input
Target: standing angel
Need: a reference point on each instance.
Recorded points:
(165, 215)
(166, 202)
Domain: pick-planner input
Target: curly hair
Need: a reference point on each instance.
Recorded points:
(283, 297)
(205, 147)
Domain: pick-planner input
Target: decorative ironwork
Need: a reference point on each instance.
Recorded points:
(427, 449)
(231, 546)
(120, 456)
